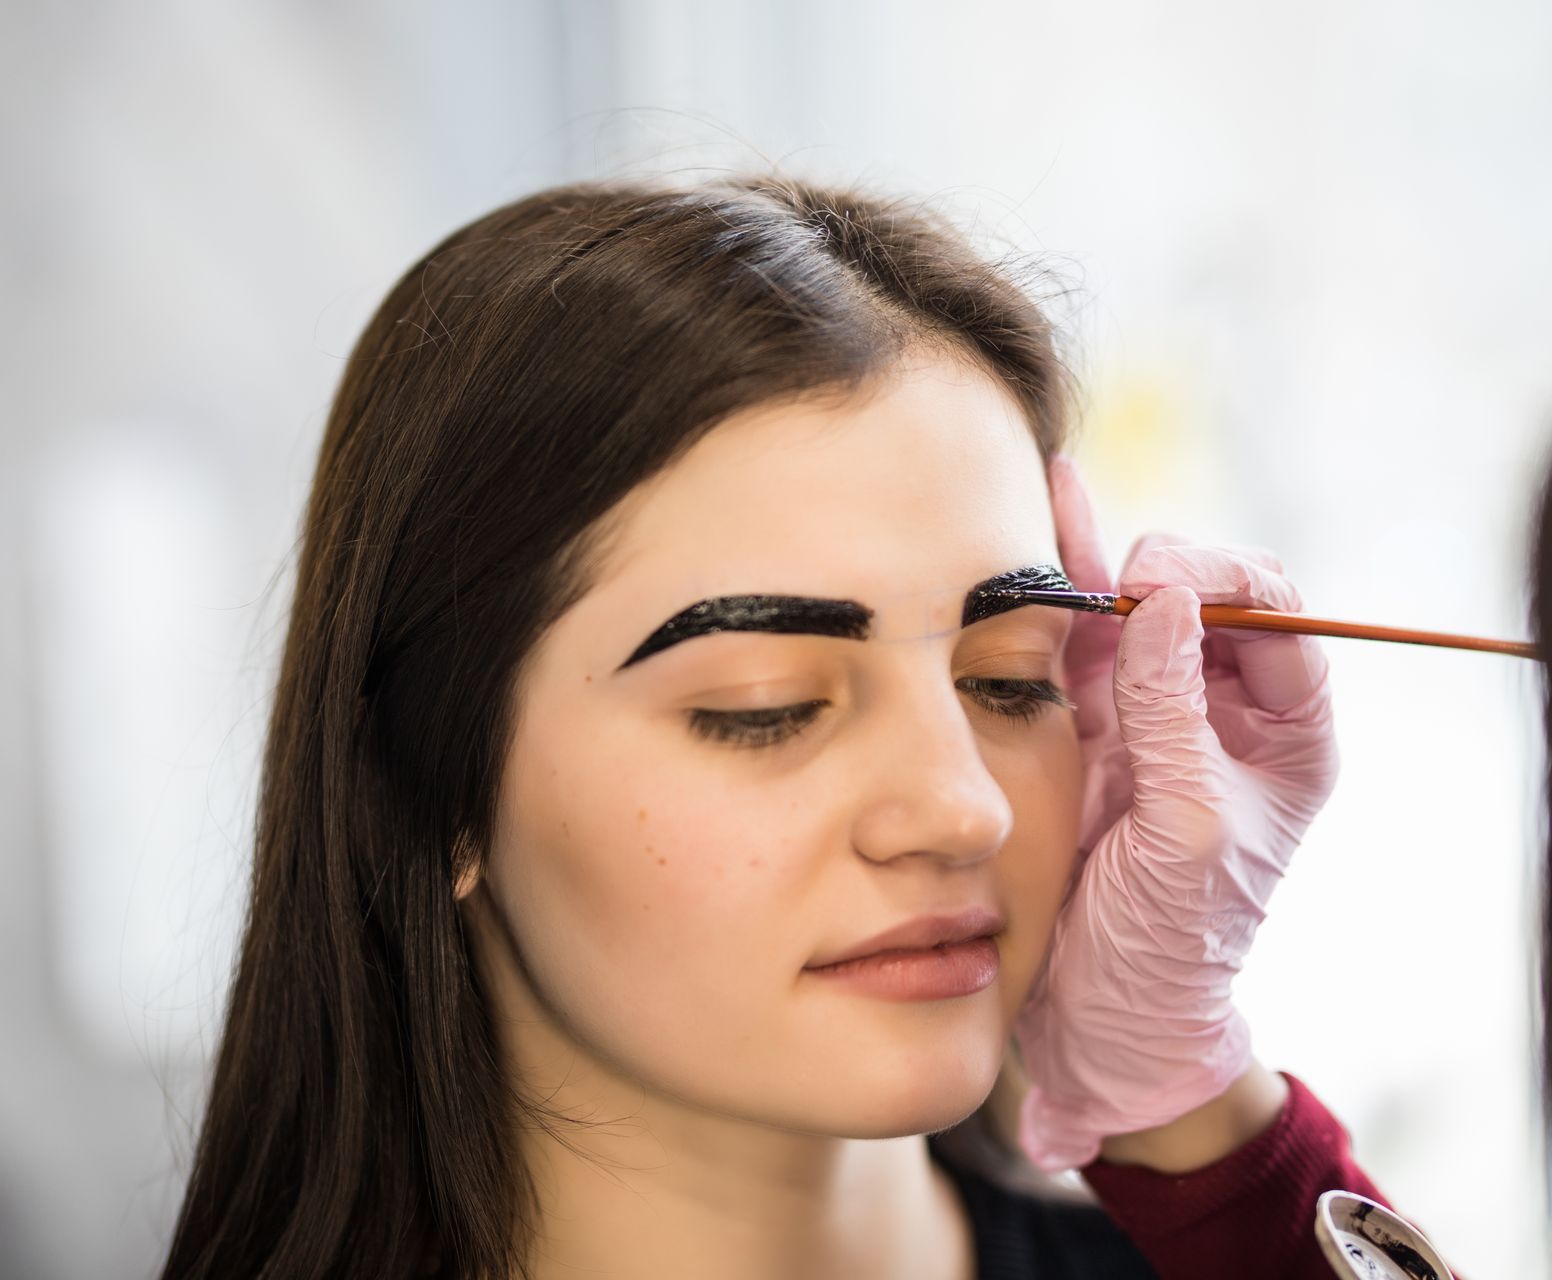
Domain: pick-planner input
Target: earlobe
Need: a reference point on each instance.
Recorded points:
(467, 867)
(466, 882)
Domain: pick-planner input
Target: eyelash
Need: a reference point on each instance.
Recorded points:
(1031, 699)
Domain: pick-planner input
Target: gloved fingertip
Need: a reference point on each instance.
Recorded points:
(1061, 473)
(1161, 642)
(1053, 1141)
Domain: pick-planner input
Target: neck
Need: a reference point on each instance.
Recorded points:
(674, 1194)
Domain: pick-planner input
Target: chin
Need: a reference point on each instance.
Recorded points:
(929, 1105)
(905, 1125)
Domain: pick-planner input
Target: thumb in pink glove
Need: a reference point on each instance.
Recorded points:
(1228, 742)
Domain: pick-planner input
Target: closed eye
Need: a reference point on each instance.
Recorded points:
(1019, 700)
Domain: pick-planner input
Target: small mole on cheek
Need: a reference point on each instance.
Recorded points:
(641, 815)
(662, 862)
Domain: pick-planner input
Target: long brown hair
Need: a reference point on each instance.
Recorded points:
(515, 384)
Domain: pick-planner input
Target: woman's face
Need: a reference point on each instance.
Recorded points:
(660, 892)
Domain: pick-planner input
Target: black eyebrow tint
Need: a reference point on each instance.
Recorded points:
(845, 619)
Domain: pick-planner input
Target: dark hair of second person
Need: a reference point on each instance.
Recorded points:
(1540, 594)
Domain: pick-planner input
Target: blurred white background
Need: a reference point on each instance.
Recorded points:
(1311, 258)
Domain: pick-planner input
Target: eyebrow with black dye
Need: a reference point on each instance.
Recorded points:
(843, 619)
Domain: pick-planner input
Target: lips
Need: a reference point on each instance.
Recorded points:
(921, 933)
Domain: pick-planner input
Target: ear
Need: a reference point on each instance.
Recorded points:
(468, 868)
(468, 880)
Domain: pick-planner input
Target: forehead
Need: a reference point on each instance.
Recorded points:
(908, 489)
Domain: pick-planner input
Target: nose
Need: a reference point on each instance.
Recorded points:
(926, 788)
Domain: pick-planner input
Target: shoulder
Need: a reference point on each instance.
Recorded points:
(1023, 1228)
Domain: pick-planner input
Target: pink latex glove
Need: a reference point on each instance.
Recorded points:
(1205, 759)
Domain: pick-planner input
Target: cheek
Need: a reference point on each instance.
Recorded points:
(1044, 784)
(642, 893)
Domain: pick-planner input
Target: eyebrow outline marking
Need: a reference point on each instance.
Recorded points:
(841, 619)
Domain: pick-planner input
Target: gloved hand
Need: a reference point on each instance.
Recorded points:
(1205, 759)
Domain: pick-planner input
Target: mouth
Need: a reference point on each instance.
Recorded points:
(944, 971)
(921, 936)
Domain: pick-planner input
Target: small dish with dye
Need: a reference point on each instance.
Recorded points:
(1366, 1241)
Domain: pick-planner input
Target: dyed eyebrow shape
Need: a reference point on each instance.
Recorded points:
(845, 619)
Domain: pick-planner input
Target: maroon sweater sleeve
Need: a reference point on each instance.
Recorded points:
(1250, 1213)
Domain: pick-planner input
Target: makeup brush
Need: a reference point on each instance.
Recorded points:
(1228, 615)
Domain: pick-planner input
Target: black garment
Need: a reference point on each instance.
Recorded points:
(1019, 1236)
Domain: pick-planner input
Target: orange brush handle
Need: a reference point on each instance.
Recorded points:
(1228, 615)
